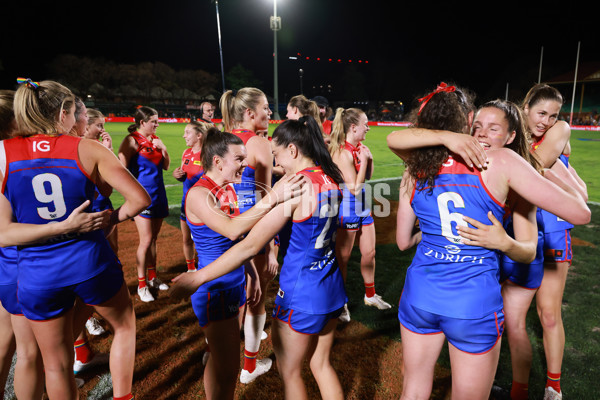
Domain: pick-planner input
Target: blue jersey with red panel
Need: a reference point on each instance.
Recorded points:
(191, 164)
(354, 205)
(246, 189)
(44, 182)
(552, 223)
(147, 167)
(310, 280)
(211, 245)
(447, 277)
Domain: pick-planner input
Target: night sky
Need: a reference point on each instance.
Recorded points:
(409, 46)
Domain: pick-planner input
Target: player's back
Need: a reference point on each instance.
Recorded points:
(44, 182)
(447, 276)
(310, 280)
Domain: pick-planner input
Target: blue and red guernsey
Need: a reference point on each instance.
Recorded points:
(310, 280)
(246, 189)
(210, 245)
(354, 150)
(354, 205)
(552, 223)
(147, 167)
(447, 277)
(44, 182)
(191, 163)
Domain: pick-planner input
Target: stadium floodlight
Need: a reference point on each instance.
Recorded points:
(575, 84)
(275, 24)
(220, 47)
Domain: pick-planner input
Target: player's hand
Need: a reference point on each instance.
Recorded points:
(272, 266)
(468, 148)
(178, 173)
(488, 236)
(365, 152)
(106, 140)
(80, 221)
(159, 144)
(184, 285)
(289, 187)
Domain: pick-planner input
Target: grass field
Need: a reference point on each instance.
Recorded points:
(367, 353)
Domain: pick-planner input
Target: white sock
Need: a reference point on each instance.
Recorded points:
(253, 328)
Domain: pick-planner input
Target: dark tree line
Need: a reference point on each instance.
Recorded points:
(144, 82)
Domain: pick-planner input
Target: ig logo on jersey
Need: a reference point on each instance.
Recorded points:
(42, 145)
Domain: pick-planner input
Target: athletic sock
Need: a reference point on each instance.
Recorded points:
(370, 289)
(128, 396)
(191, 264)
(553, 381)
(250, 360)
(151, 272)
(83, 352)
(519, 391)
(253, 328)
(141, 282)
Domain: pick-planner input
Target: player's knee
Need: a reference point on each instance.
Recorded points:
(368, 255)
(549, 318)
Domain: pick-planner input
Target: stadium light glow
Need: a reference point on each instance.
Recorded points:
(275, 26)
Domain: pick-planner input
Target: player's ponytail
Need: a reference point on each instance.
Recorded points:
(234, 104)
(38, 106)
(307, 107)
(306, 136)
(344, 119)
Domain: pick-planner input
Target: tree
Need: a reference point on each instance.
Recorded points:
(239, 77)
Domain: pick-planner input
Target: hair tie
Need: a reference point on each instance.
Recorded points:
(234, 92)
(30, 84)
(442, 87)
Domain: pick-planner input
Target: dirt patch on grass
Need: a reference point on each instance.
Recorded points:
(170, 344)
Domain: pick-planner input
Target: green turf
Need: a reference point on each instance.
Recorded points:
(585, 150)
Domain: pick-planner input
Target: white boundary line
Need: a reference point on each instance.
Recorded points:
(385, 179)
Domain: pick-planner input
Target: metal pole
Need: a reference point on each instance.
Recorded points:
(574, 84)
(275, 84)
(301, 72)
(541, 58)
(220, 48)
(506, 94)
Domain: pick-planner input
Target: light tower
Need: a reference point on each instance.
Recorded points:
(275, 26)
